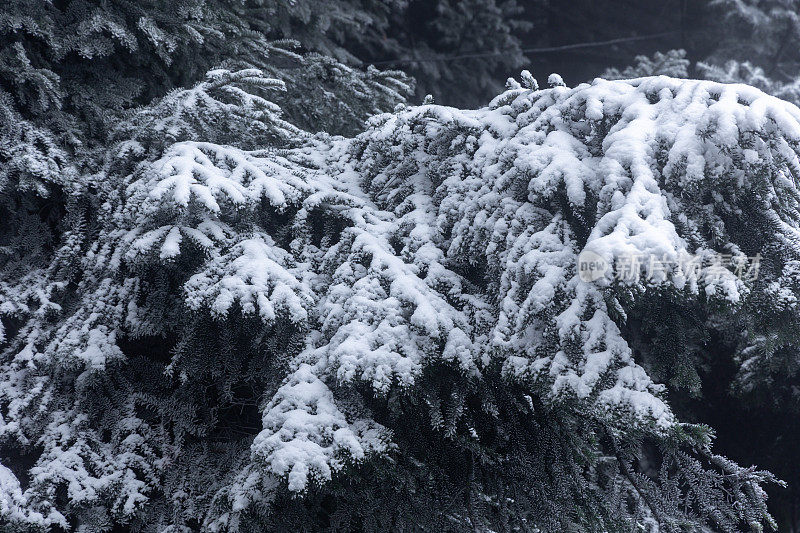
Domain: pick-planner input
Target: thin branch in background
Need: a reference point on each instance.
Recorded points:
(541, 50)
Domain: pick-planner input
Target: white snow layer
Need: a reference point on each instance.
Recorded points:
(459, 243)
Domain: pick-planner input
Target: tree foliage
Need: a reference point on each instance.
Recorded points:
(212, 333)
(218, 315)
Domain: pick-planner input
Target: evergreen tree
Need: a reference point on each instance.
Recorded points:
(755, 44)
(213, 318)
(71, 67)
(233, 325)
(751, 380)
(673, 63)
(762, 32)
(457, 50)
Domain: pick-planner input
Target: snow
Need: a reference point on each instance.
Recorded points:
(14, 505)
(554, 145)
(448, 237)
(305, 436)
(209, 174)
(555, 80)
(258, 275)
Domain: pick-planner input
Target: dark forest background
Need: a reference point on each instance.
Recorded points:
(434, 41)
(696, 26)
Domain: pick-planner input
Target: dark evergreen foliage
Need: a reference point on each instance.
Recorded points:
(218, 315)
